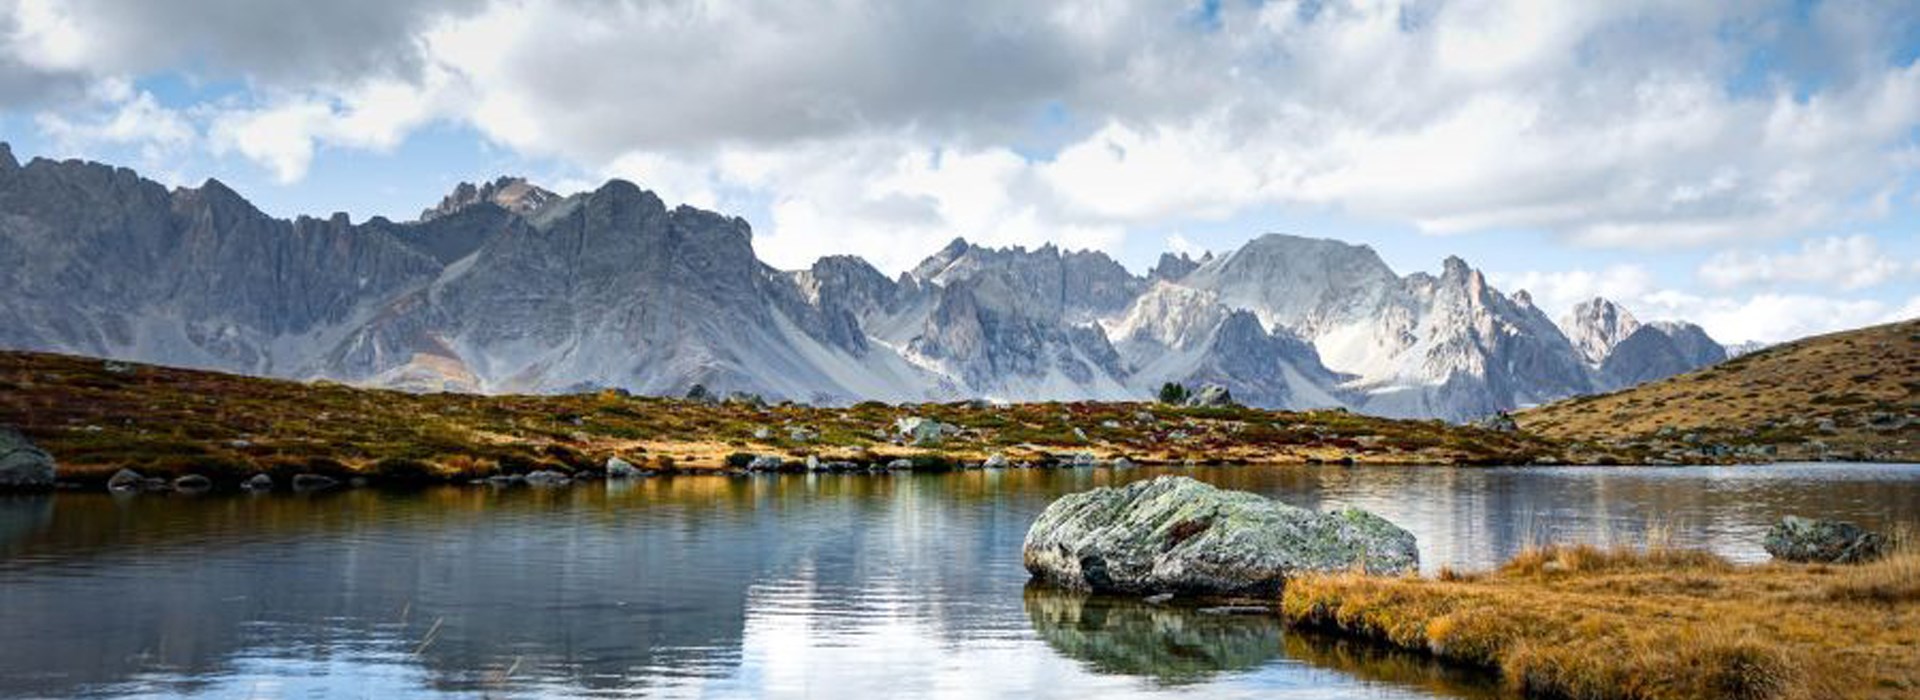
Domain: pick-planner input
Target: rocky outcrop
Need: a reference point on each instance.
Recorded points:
(1659, 350)
(1178, 535)
(1825, 541)
(23, 466)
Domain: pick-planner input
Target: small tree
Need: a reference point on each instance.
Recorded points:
(1173, 393)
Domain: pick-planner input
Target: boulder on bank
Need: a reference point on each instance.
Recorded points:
(126, 480)
(924, 431)
(1177, 535)
(23, 465)
(618, 468)
(1212, 396)
(1825, 541)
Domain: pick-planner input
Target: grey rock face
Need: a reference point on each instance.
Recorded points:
(1827, 541)
(22, 464)
(1597, 325)
(1659, 350)
(1178, 535)
(506, 287)
(509, 193)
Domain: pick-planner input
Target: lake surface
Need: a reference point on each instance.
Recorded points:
(823, 585)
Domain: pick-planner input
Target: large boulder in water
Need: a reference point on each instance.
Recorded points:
(1827, 541)
(1178, 535)
(23, 465)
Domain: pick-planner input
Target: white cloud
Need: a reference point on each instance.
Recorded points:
(883, 129)
(1768, 317)
(1557, 292)
(1848, 263)
(126, 118)
(282, 135)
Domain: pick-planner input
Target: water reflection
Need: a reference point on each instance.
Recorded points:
(791, 585)
(1172, 645)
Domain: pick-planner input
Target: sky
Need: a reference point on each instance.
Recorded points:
(1749, 166)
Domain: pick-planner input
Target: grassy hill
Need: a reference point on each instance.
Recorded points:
(97, 416)
(1853, 395)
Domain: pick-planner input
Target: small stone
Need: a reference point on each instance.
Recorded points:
(900, 465)
(765, 463)
(618, 468)
(313, 482)
(547, 477)
(192, 483)
(258, 482)
(1122, 463)
(995, 461)
(125, 480)
(1159, 598)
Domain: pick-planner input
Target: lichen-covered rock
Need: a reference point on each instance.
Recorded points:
(1828, 541)
(23, 465)
(1177, 535)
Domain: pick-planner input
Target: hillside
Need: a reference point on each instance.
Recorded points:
(1853, 395)
(98, 416)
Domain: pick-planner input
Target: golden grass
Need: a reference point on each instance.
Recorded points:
(1814, 398)
(1641, 624)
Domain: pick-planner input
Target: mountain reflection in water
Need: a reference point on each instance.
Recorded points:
(840, 585)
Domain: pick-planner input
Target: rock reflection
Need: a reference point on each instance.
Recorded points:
(1169, 644)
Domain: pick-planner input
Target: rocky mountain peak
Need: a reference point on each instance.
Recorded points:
(1172, 267)
(1596, 326)
(6, 157)
(513, 194)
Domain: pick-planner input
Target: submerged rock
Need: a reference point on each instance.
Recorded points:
(23, 465)
(192, 483)
(126, 480)
(1827, 541)
(547, 477)
(313, 482)
(1177, 535)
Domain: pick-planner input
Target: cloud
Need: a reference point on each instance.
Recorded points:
(873, 127)
(124, 118)
(1848, 263)
(1557, 292)
(1768, 317)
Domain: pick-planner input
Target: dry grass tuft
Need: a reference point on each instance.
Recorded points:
(1643, 624)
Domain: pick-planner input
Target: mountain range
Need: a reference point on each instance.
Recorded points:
(505, 287)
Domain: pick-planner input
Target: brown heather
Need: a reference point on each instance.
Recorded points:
(1599, 623)
(96, 417)
(1838, 396)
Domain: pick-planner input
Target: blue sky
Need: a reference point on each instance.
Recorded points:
(1750, 167)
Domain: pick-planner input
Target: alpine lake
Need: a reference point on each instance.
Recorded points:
(819, 585)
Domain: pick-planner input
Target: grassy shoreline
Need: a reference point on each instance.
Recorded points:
(1586, 622)
(97, 417)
